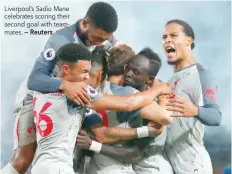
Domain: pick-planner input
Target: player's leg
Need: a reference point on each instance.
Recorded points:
(24, 140)
(23, 157)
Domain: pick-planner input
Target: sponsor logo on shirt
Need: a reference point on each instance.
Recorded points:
(210, 94)
(49, 54)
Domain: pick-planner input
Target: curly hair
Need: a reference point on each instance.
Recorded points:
(118, 57)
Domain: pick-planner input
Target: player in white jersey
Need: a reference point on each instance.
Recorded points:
(94, 28)
(55, 138)
(195, 102)
(113, 159)
(106, 133)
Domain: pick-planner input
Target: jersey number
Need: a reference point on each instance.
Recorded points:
(43, 117)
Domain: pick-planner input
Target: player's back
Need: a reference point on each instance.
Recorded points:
(57, 125)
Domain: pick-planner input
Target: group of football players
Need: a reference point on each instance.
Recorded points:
(93, 105)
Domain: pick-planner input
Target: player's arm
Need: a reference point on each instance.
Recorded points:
(128, 154)
(154, 113)
(111, 135)
(41, 81)
(130, 102)
(157, 112)
(208, 112)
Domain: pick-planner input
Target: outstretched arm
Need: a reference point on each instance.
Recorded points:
(131, 102)
(112, 135)
(128, 154)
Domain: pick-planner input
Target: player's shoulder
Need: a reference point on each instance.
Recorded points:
(91, 91)
(129, 90)
(55, 96)
(122, 91)
(53, 101)
(204, 73)
(64, 34)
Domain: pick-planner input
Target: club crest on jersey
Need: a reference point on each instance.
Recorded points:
(49, 54)
(89, 112)
(92, 92)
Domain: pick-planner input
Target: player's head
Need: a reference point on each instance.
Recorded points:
(118, 57)
(143, 67)
(99, 67)
(74, 62)
(100, 22)
(178, 40)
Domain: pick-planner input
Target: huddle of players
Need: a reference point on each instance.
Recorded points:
(143, 105)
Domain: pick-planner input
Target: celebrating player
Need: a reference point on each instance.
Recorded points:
(111, 159)
(195, 103)
(97, 26)
(58, 121)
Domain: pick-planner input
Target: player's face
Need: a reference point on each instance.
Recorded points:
(136, 72)
(77, 72)
(93, 35)
(97, 36)
(175, 43)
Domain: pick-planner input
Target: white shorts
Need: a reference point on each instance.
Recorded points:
(24, 129)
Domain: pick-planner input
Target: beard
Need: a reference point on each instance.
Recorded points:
(84, 37)
(174, 62)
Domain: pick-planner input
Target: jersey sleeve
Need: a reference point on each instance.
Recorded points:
(91, 118)
(93, 94)
(208, 112)
(40, 79)
(127, 90)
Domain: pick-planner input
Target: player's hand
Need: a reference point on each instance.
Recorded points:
(75, 91)
(154, 129)
(161, 87)
(83, 140)
(163, 99)
(182, 107)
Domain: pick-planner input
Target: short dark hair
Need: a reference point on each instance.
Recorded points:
(154, 60)
(103, 16)
(99, 60)
(187, 29)
(71, 53)
(118, 57)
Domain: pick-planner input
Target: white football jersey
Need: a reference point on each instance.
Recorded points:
(58, 121)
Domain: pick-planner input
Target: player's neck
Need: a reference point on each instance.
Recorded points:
(116, 79)
(187, 61)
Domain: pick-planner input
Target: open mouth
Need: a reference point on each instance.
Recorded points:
(171, 52)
